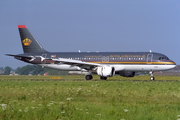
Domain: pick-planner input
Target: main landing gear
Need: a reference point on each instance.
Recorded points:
(89, 77)
(152, 76)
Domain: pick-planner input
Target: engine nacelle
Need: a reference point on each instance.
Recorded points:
(127, 73)
(106, 71)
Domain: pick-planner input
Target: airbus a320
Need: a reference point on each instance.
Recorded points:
(104, 64)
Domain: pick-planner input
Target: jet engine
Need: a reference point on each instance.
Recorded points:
(127, 73)
(106, 71)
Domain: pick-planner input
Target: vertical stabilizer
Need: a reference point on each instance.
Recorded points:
(29, 43)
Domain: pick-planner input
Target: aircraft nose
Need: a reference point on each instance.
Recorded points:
(172, 64)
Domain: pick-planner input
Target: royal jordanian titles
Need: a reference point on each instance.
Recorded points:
(104, 64)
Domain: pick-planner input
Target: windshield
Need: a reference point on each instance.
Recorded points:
(163, 58)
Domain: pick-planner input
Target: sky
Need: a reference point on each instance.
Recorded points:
(91, 25)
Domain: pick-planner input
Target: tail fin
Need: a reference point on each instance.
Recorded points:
(29, 43)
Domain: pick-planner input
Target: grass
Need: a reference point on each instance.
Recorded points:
(30, 98)
(81, 78)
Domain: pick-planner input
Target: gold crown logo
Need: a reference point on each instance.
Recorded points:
(27, 42)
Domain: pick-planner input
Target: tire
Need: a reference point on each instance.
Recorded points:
(88, 77)
(152, 78)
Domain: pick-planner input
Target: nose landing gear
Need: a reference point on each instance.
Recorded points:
(152, 76)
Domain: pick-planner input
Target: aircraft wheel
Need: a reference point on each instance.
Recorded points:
(152, 78)
(89, 77)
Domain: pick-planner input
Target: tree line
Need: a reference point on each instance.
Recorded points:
(32, 69)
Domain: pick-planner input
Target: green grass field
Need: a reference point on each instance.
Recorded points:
(73, 98)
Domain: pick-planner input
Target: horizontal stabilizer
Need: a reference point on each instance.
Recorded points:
(19, 56)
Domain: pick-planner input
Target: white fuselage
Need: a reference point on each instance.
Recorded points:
(120, 67)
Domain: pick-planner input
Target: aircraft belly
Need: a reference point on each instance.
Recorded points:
(166, 67)
(119, 67)
(148, 67)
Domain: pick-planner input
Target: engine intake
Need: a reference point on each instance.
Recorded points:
(106, 71)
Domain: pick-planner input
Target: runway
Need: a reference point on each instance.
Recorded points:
(151, 80)
(89, 80)
(123, 80)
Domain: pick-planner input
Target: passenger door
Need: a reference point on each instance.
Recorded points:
(149, 58)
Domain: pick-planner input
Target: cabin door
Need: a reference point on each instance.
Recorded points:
(149, 58)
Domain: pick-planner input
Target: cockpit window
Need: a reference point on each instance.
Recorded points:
(163, 58)
(166, 58)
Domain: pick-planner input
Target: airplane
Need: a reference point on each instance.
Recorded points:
(104, 64)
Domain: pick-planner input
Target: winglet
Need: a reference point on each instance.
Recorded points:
(22, 26)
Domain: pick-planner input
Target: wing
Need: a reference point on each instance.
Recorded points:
(81, 64)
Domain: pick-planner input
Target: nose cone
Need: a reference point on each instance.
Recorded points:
(171, 64)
